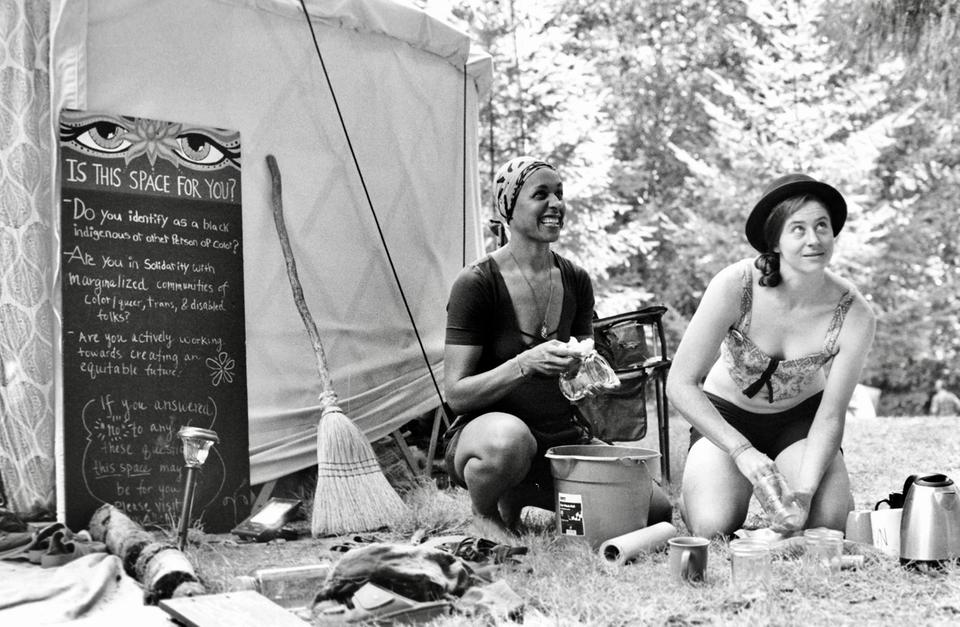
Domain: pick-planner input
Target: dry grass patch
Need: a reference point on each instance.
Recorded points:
(564, 583)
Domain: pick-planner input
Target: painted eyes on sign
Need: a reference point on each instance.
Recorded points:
(100, 136)
(199, 149)
(207, 149)
(115, 136)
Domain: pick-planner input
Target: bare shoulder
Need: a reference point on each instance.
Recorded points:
(725, 290)
(861, 320)
(729, 280)
(860, 308)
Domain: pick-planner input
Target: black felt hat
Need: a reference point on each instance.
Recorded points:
(786, 187)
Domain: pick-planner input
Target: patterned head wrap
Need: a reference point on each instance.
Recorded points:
(509, 180)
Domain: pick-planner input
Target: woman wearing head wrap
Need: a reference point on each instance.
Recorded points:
(792, 338)
(509, 319)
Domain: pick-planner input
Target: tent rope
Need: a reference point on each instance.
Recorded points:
(366, 193)
(463, 240)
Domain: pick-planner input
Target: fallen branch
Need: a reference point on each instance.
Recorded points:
(162, 569)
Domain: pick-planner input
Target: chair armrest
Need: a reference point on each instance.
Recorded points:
(647, 366)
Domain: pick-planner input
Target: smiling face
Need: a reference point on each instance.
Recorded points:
(806, 240)
(538, 214)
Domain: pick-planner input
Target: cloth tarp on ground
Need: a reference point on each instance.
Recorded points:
(251, 65)
(91, 590)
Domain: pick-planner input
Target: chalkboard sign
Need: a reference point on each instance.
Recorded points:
(151, 262)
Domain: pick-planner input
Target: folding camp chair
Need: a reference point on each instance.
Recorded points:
(634, 345)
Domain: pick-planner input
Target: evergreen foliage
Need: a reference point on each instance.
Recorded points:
(668, 117)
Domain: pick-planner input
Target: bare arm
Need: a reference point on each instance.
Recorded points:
(466, 389)
(719, 309)
(826, 432)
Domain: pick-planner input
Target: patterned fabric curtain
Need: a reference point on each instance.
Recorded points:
(26, 277)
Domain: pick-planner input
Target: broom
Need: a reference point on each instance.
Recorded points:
(352, 493)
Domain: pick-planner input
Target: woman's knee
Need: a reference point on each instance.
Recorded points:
(709, 522)
(831, 504)
(833, 499)
(497, 440)
(713, 510)
(831, 514)
(715, 496)
(512, 443)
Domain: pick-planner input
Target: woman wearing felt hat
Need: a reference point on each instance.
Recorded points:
(792, 338)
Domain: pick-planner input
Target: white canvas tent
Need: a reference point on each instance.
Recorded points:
(407, 85)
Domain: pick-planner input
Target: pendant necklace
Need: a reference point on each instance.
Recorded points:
(533, 292)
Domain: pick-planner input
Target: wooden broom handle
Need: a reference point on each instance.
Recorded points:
(291, 263)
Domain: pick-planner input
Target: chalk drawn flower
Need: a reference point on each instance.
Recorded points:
(221, 368)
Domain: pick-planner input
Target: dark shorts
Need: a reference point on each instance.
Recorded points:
(539, 474)
(768, 433)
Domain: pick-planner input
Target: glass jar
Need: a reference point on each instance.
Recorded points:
(771, 491)
(750, 560)
(594, 374)
(291, 586)
(823, 552)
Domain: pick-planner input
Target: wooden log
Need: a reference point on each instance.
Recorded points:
(162, 569)
(123, 537)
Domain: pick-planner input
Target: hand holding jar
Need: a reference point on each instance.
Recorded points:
(593, 375)
(787, 510)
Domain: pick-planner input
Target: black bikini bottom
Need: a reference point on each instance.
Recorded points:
(768, 433)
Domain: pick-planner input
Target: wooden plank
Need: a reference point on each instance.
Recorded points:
(406, 452)
(244, 608)
(438, 416)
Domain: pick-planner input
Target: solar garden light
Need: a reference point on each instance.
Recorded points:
(197, 443)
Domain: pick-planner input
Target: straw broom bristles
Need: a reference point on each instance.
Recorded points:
(352, 492)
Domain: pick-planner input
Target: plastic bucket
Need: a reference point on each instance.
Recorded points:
(601, 491)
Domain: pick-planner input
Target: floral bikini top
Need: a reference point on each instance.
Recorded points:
(753, 370)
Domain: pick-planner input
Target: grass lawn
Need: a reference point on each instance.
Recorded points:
(564, 583)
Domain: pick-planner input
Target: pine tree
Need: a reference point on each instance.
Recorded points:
(794, 108)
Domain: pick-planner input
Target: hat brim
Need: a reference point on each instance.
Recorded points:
(829, 196)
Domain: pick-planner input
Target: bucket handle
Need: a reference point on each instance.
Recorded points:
(636, 461)
(627, 459)
(563, 463)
